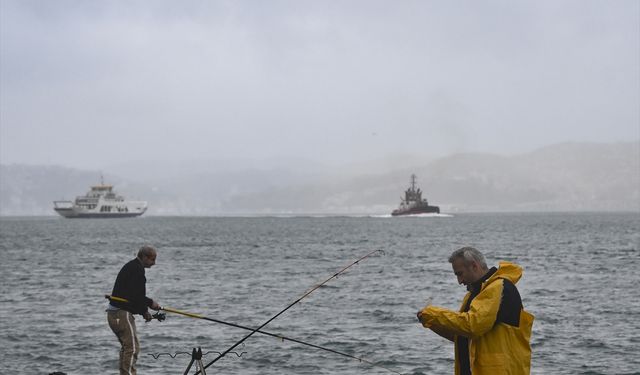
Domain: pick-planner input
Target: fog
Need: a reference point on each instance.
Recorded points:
(88, 84)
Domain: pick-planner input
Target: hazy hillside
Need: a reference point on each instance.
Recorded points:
(563, 177)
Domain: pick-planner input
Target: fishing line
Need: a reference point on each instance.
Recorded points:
(335, 275)
(173, 355)
(277, 336)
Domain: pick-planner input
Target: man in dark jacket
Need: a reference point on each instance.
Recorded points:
(131, 286)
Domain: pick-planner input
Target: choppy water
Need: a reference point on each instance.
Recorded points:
(580, 281)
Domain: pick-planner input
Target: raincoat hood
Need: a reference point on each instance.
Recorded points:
(506, 270)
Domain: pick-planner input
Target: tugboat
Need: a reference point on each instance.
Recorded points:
(413, 203)
(100, 202)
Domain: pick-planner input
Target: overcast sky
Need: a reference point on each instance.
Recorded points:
(92, 83)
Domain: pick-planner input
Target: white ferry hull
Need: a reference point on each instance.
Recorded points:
(71, 213)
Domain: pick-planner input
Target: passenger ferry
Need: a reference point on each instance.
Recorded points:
(100, 202)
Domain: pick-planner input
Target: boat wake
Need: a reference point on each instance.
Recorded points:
(414, 215)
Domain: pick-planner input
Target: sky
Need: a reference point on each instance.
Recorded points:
(92, 83)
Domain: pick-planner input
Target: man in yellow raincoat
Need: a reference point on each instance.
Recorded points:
(492, 330)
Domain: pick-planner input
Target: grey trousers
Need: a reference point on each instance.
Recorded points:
(123, 324)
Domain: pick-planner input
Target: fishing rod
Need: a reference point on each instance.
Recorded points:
(281, 337)
(253, 331)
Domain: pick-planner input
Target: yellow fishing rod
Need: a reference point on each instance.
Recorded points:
(168, 309)
(282, 338)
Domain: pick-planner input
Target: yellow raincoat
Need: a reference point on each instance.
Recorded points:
(495, 348)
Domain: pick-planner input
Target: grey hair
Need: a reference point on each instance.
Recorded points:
(146, 251)
(469, 254)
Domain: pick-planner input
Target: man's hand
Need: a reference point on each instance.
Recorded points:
(154, 305)
(420, 319)
(147, 316)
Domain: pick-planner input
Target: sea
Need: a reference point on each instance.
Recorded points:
(580, 281)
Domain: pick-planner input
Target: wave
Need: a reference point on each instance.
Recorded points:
(414, 215)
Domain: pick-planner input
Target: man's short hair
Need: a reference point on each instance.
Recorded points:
(146, 251)
(469, 254)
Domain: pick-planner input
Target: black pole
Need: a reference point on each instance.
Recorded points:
(287, 308)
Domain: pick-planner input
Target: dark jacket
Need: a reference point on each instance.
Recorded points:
(131, 285)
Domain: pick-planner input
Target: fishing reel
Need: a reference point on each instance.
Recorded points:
(160, 316)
